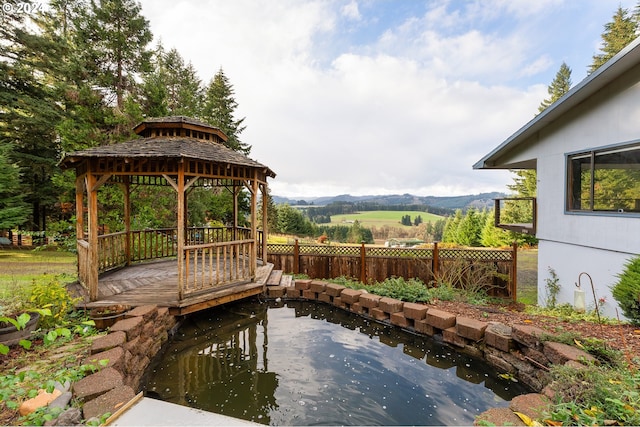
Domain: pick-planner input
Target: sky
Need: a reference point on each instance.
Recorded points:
(373, 97)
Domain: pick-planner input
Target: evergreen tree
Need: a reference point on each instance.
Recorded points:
(29, 111)
(617, 35)
(469, 229)
(13, 210)
(558, 87)
(219, 109)
(172, 88)
(113, 35)
(291, 221)
(492, 236)
(450, 232)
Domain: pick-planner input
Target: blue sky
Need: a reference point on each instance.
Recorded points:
(383, 96)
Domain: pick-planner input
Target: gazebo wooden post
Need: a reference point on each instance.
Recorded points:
(264, 221)
(254, 223)
(127, 220)
(236, 191)
(92, 259)
(80, 207)
(181, 226)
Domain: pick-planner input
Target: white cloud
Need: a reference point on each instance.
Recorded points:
(339, 99)
(351, 11)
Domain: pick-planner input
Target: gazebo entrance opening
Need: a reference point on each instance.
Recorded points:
(181, 154)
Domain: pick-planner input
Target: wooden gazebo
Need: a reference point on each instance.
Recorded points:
(182, 153)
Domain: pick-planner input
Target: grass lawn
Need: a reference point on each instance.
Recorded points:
(528, 276)
(381, 218)
(19, 267)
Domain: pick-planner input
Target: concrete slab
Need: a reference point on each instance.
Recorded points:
(152, 412)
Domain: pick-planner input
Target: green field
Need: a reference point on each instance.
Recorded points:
(381, 218)
(20, 267)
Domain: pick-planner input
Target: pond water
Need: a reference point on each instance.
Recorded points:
(303, 363)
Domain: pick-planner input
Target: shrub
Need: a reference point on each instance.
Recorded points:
(52, 294)
(552, 286)
(627, 290)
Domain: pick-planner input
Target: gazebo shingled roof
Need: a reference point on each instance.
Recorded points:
(169, 146)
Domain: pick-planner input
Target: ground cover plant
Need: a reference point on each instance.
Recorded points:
(35, 281)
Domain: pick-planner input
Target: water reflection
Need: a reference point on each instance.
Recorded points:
(313, 364)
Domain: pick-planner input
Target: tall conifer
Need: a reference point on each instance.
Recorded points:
(219, 109)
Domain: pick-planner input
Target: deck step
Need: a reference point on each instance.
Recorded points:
(286, 281)
(274, 278)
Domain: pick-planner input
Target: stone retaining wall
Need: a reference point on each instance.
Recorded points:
(129, 347)
(524, 351)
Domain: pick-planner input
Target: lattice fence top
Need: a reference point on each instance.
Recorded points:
(273, 248)
(476, 254)
(425, 253)
(400, 252)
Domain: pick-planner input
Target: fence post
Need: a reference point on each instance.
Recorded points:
(363, 270)
(296, 258)
(435, 265)
(514, 272)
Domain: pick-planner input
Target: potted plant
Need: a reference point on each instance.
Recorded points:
(107, 316)
(18, 319)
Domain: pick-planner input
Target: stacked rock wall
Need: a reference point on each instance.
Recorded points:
(128, 348)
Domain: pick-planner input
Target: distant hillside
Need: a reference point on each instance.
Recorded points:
(477, 201)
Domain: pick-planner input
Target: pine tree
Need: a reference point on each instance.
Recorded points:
(29, 111)
(13, 210)
(450, 232)
(219, 109)
(558, 87)
(470, 229)
(491, 235)
(617, 35)
(173, 87)
(114, 36)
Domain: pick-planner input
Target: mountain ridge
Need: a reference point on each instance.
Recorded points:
(478, 201)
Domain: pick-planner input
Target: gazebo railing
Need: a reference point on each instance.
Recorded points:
(211, 265)
(149, 244)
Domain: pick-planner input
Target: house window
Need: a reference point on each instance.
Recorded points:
(605, 180)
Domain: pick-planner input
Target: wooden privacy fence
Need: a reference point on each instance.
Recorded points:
(492, 269)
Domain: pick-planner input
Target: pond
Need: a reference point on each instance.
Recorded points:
(304, 363)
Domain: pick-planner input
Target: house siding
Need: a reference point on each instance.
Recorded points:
(571, 243)
(598, 244)
(601, 265)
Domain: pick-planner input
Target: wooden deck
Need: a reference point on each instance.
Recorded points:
(156, 283)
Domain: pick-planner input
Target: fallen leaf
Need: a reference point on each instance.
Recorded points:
(525, 419)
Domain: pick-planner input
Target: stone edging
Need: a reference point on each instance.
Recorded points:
(129, 347)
